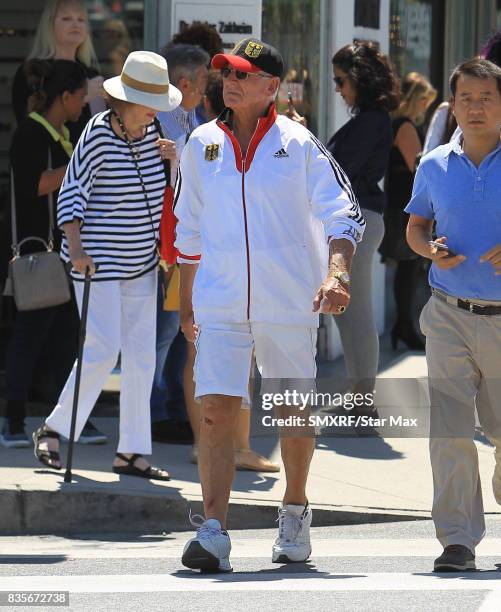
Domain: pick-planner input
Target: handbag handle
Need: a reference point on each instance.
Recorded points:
(33, 238)
(50, 200)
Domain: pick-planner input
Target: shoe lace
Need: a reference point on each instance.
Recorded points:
(204, 531)
(289, 525)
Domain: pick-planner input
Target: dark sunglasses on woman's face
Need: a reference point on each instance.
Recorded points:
(240, 74)
(339, 80)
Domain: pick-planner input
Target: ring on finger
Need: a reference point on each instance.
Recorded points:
(341, 309)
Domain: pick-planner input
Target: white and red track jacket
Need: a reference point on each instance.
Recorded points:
(254, 224)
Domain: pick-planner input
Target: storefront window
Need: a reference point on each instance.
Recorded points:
(293, 27)
(411, 36)
(117, 29)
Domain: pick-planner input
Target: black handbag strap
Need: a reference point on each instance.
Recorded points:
(138, 169)
(50, 200)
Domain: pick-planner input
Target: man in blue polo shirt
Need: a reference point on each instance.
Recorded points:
(458, 186)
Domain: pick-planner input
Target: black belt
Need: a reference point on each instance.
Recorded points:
(467, 305)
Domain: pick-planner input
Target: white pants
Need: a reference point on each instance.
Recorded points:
(121, 317)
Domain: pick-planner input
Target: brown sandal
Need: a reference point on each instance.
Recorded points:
(47, 457)
(151, 472)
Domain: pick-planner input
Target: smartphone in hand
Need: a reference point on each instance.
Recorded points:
(441, 247)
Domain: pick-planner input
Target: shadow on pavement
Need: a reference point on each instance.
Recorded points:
(363, 448)
(32, 559)
(281, 572)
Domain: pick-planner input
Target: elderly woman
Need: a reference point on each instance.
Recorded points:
(109, 209)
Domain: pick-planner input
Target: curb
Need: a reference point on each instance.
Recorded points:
(40, 512)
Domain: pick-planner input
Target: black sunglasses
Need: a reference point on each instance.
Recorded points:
(241, 75)
(339, 81)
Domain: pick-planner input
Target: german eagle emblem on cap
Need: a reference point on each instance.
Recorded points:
(253, 49)
(211, 152)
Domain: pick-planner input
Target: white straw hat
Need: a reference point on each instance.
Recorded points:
(145, 80)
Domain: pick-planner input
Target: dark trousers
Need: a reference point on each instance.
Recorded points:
(45, 340)
(405, 287)
(167, 394)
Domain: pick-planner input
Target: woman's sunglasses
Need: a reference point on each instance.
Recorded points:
(339, 81)
(241, 75)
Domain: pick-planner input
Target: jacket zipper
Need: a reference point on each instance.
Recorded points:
(246, 239)
(245, 221)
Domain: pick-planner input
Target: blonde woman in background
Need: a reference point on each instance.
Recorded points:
(63, 33)
(417, 96)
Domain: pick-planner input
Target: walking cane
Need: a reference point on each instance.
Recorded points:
(81, 341)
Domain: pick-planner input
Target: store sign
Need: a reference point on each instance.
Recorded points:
(232, 20)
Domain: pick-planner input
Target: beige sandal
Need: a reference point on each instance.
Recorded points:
(247, 459)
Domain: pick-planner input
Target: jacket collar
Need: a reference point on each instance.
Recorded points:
(225, 122)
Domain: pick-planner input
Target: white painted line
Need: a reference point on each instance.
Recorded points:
(250, 581)
(241, 548)
(491, 603)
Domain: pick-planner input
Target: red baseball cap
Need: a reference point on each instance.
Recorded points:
(251, 55)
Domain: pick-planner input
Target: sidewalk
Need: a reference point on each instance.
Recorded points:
(352, 480)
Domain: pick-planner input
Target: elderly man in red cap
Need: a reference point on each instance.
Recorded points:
(267, 228)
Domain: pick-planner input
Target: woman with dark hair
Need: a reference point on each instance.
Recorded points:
(365, 80)
(492, 49)
(59, 89)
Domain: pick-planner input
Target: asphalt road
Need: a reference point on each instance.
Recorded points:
(381, 567)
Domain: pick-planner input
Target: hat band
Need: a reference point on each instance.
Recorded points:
(146, 87)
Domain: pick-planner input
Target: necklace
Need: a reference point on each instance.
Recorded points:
(135, 156)
(136, 153)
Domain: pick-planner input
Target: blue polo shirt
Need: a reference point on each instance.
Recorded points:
(465, 202)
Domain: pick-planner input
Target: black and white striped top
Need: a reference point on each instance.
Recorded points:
(102, 189)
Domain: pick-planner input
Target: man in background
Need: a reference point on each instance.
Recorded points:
(188, 72)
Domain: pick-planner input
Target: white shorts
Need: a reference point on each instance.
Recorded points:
(285, 357)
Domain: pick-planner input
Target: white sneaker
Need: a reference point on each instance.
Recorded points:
(293, 543)
(210, 550)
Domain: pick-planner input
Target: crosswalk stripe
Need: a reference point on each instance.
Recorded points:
(490, 603)
(274, 581)
(243, 548)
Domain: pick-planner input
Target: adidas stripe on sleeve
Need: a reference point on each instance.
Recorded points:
(332, 196)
